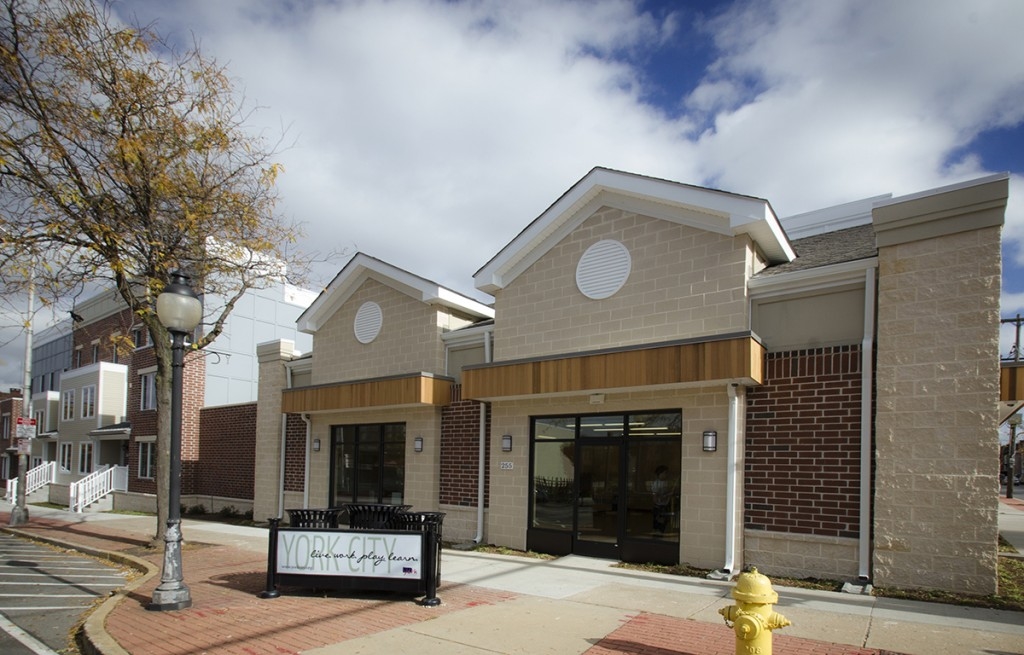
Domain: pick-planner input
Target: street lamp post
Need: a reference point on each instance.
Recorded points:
(180, 310)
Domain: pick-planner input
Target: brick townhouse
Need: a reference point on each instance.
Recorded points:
(672, 373)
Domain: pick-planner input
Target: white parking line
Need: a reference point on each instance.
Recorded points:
(30, 642)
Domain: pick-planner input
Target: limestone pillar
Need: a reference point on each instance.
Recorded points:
(937, 376)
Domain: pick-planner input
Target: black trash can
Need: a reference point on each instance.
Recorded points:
(430, 524)
(373, 516)
(315, 518)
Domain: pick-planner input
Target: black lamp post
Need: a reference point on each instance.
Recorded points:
(180, 310)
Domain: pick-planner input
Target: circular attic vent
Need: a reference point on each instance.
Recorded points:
(368, 322)
(603, 269)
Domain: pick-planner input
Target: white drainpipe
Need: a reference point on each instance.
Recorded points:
(482, 448)
(733, 456)
(867, 377)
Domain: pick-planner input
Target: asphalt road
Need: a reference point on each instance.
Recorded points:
(44, 592)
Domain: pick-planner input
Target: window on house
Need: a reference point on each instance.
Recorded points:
(78, 357)
(65, 458)
(140, 336)
(89, 401)
(368, 463)
(5, 427)
(40, 424)
(95, 353)
(67, 405)
(147, 460)
(85, 457)
(147, 384)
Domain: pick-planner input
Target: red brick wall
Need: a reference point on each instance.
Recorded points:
(803, 444)
(227, 451)
(144, 421)
(460, 447)
(295, 453)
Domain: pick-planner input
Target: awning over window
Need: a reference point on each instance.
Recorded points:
(737, 358)
(411, 389)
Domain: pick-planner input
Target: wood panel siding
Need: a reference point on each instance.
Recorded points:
(414, 389)
(740, 359)
(1011, 382)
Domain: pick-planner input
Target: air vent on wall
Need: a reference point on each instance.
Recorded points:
(603, 269)
(368, 321)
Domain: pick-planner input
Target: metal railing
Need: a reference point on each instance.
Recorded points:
(96, 485)
(35, 479)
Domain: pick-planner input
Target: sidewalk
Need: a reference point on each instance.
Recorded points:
(490, 604)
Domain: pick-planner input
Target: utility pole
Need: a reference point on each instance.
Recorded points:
(19, 513)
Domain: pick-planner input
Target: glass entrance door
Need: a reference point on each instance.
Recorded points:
(598, 502)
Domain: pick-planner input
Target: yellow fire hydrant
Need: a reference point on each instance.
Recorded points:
(752, 617)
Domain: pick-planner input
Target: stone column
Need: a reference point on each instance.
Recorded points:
(272, 357)
(937, 377)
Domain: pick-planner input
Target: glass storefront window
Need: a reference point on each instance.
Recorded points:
(368, 463)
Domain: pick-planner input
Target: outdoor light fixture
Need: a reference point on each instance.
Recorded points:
(180, 310)
(506, 443)
(417, 444)
(710, 441)
(316, 445)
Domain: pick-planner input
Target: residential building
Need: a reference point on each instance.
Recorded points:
(94, 395)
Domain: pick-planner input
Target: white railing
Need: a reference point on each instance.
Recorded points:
(96, 485)
(35, 478)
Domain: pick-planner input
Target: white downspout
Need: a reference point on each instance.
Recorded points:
(733, 456)
(305, 481)
(481, 452)
(867, 378)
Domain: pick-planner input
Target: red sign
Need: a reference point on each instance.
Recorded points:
(22, 420)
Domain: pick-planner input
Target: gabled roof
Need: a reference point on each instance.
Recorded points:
(707, 209)
(362, 267)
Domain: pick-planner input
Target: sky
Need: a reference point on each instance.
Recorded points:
(428, 133)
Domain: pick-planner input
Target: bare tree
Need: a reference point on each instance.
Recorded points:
(122, 159)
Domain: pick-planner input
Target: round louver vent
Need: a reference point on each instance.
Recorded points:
(603, 269)
(368, 322)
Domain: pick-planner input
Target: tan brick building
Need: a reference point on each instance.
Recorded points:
(672, 373)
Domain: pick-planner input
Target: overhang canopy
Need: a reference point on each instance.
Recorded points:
(393, 391)
(681, 363)
(1011, 382)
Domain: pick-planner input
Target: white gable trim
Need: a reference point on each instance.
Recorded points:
(361, 268)
(715, 211)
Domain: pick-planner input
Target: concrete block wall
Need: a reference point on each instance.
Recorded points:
(267, 472)
(938, 389)
(684, 283)
(409, 339)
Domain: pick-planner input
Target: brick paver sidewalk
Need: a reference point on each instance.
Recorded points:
(228, 617)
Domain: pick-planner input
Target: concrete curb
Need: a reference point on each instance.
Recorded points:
(93, 637)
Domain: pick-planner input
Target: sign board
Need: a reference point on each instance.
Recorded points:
(358, 554)
(24, 447)
(26, 428)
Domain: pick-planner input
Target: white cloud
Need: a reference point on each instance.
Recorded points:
(429, 133)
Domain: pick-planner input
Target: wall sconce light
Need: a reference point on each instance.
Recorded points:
(710, 441)
(506, 443)
(417, 444)
(316, 445)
